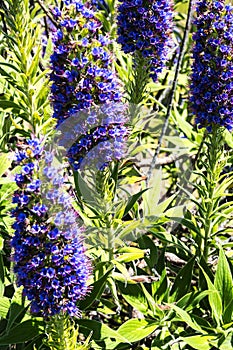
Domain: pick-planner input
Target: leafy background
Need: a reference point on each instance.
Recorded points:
(156, 291)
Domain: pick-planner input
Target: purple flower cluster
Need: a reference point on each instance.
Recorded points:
(49, 257)
(82, 73)
(212, 70)
(83, 78)
(96, 148)
(145, 26)
(100, 136)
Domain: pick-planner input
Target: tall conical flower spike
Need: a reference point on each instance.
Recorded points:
(145, 27)
(84, 80)
(49, 258)
(212, 69)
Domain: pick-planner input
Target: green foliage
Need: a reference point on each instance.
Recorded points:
(21, 333)
(160, 249)
(24, 85)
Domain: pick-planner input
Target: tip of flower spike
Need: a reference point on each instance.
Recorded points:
(212, 68)
(80, 81)
(146, 27)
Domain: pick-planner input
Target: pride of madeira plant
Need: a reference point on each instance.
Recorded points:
(95, 253)
(211, 103)
(49, 257)
(144, 31)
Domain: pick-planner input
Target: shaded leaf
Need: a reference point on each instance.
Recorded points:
(97, 289)
(100, 331)
(132, 200)
(21, 333)
(183, 280)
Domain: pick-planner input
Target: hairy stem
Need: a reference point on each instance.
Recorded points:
(61, 333)
(137, 87)
(213, 172)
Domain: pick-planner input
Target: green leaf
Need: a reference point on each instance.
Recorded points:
(223, 279)
(4, 306)
(227, 315)
(128, 228)
(202, 280)
(160, 289)
(10, 104)
(21, 333)
(185, 317)
(17, 309)
(7, 190)
(137, 329)
(34, 63)
(199, 341)
(187, 223)
(167, 237)
(178, 211)
(161, 207)
(183, 280)
(85, 193)
(5, 180)
(143, 147)
(101, 332)
(191, 300)
(2, 276)
(97, 290)
(129, 254)
(227, 343)
(132, 200)
(5, 163)
(152, 196)
(150, 299)
(183, 124)
(134, 296)
(228, 138)
(214, 299)
(145, 242)
(10, 66)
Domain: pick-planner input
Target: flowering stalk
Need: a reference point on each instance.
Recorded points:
(81, 64)
(211, 103)
(215, 166)
(144, 30)
(87, 97)
(173, 90)
(211, 80)
(83, 78)
(49, 258)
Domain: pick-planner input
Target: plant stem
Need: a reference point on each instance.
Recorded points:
(107, 195)
(137, 87)
(110, 244)
(213, 172)
(173, 89)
